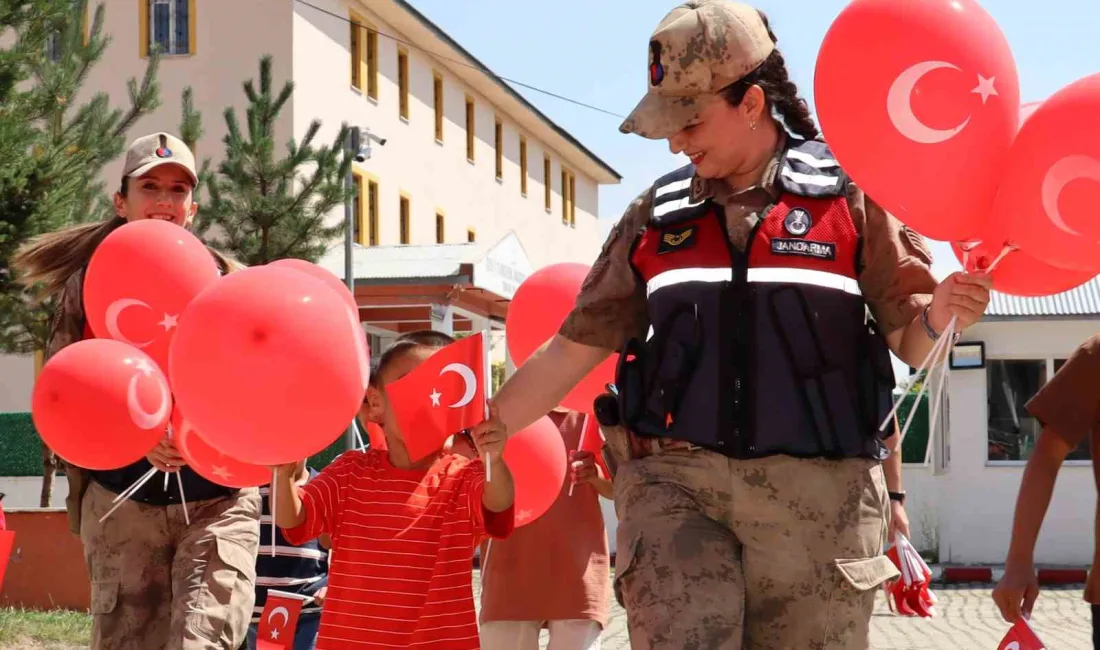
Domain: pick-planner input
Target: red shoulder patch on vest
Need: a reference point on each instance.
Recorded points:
(804, 233)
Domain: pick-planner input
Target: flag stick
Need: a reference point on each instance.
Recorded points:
(136, 485)
(183, 500)
(271, 500)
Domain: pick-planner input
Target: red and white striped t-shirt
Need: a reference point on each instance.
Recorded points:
(403, 544)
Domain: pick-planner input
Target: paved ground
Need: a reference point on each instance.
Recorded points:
(968, 620)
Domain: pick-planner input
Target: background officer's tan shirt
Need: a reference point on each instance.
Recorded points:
(896, 277)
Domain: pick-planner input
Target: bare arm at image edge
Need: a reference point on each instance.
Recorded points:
(609, 310)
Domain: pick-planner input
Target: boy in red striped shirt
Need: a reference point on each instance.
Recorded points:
(403, 533)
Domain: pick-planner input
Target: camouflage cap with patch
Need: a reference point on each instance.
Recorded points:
(155, 150)
(699, 48)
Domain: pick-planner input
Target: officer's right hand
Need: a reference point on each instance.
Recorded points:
(165, 457)
(1015, 594)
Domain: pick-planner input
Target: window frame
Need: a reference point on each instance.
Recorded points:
(146, 16)
(404, 219)
(403, 83)
(471, 129)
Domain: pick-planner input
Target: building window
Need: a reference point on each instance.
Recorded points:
(355, 49)
(523, 165)
(498, 142)
(167, 24)
(404, 216)
(568, 209)
(437, 94)
(471, 132)
(372, 212)
(371, 54)
(1012, 431)
(471, 235)
(547, 189)
(403, 83)
(358, 222)
(440, 230)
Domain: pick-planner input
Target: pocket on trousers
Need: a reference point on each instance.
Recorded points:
(104, 597)
(230, 564)
(867, 573)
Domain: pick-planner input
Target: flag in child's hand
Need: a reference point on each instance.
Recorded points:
(279, 620)
(1021, 636)
(592, 440)
(7, 542)
(441, 396)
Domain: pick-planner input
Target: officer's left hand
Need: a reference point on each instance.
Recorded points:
(960, 295)
(319, 596)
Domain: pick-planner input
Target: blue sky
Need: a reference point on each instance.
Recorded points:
(595, 52)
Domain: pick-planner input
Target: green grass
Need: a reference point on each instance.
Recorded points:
(53, 630)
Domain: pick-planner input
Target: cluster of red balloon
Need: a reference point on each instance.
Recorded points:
(261, 367)
(920, 103)
(537, 455)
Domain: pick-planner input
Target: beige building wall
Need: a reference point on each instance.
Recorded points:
(311, 48)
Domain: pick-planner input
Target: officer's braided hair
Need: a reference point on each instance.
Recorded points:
(780, 91)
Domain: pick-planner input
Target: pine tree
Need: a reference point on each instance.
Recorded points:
(260, 208)
(52, 151)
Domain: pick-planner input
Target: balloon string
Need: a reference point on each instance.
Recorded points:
(936, 394)
(183, 500)
(1008, 248)
(271, 499)
(135, 486)
(924, 364)
(125, 496)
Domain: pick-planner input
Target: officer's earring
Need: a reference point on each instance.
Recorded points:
(752, 125)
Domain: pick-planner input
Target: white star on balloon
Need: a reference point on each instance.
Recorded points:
(144, 366)
(169, 322)
(274, 635)
(985, 88)
(221, 472)
(435, 395)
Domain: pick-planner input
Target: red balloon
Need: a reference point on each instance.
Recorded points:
(919, 101)
(101, 404)
(321, 274)
(1051, 186)
(139, 281)
(535, 315)
(210, 463)
(376, 436)
(266, 364)
(537, 460)
(1019, 274)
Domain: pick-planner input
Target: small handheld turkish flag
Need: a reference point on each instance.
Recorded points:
(441, 396)
(7, 541)
(279, 620)
(1021, 636)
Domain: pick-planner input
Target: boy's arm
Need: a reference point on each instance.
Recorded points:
(1068, 408)
(500, 493)
(307, 512)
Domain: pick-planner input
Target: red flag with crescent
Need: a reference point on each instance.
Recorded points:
(1021, 636)
(279, 620)
(441, 396)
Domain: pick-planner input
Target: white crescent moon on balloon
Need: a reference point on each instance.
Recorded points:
(279, 610)
(467, 376)
(1015, 645)
(141, 418)
(114, 310)
(900, 108)
(1059, 175)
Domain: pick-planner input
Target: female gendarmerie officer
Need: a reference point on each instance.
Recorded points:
(757, 292)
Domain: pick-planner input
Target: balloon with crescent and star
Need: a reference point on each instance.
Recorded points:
(918, 102)
(139, 282)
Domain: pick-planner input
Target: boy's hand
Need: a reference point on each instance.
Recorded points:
(583, 467)
(288, 470)
(489, 436)
(1015, 594)
(165, 457)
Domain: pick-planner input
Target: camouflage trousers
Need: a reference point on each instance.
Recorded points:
(770, 554)
(160, 583)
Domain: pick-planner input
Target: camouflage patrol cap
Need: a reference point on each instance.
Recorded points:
(699, 48)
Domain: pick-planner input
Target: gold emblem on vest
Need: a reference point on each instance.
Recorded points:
(678, 238)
